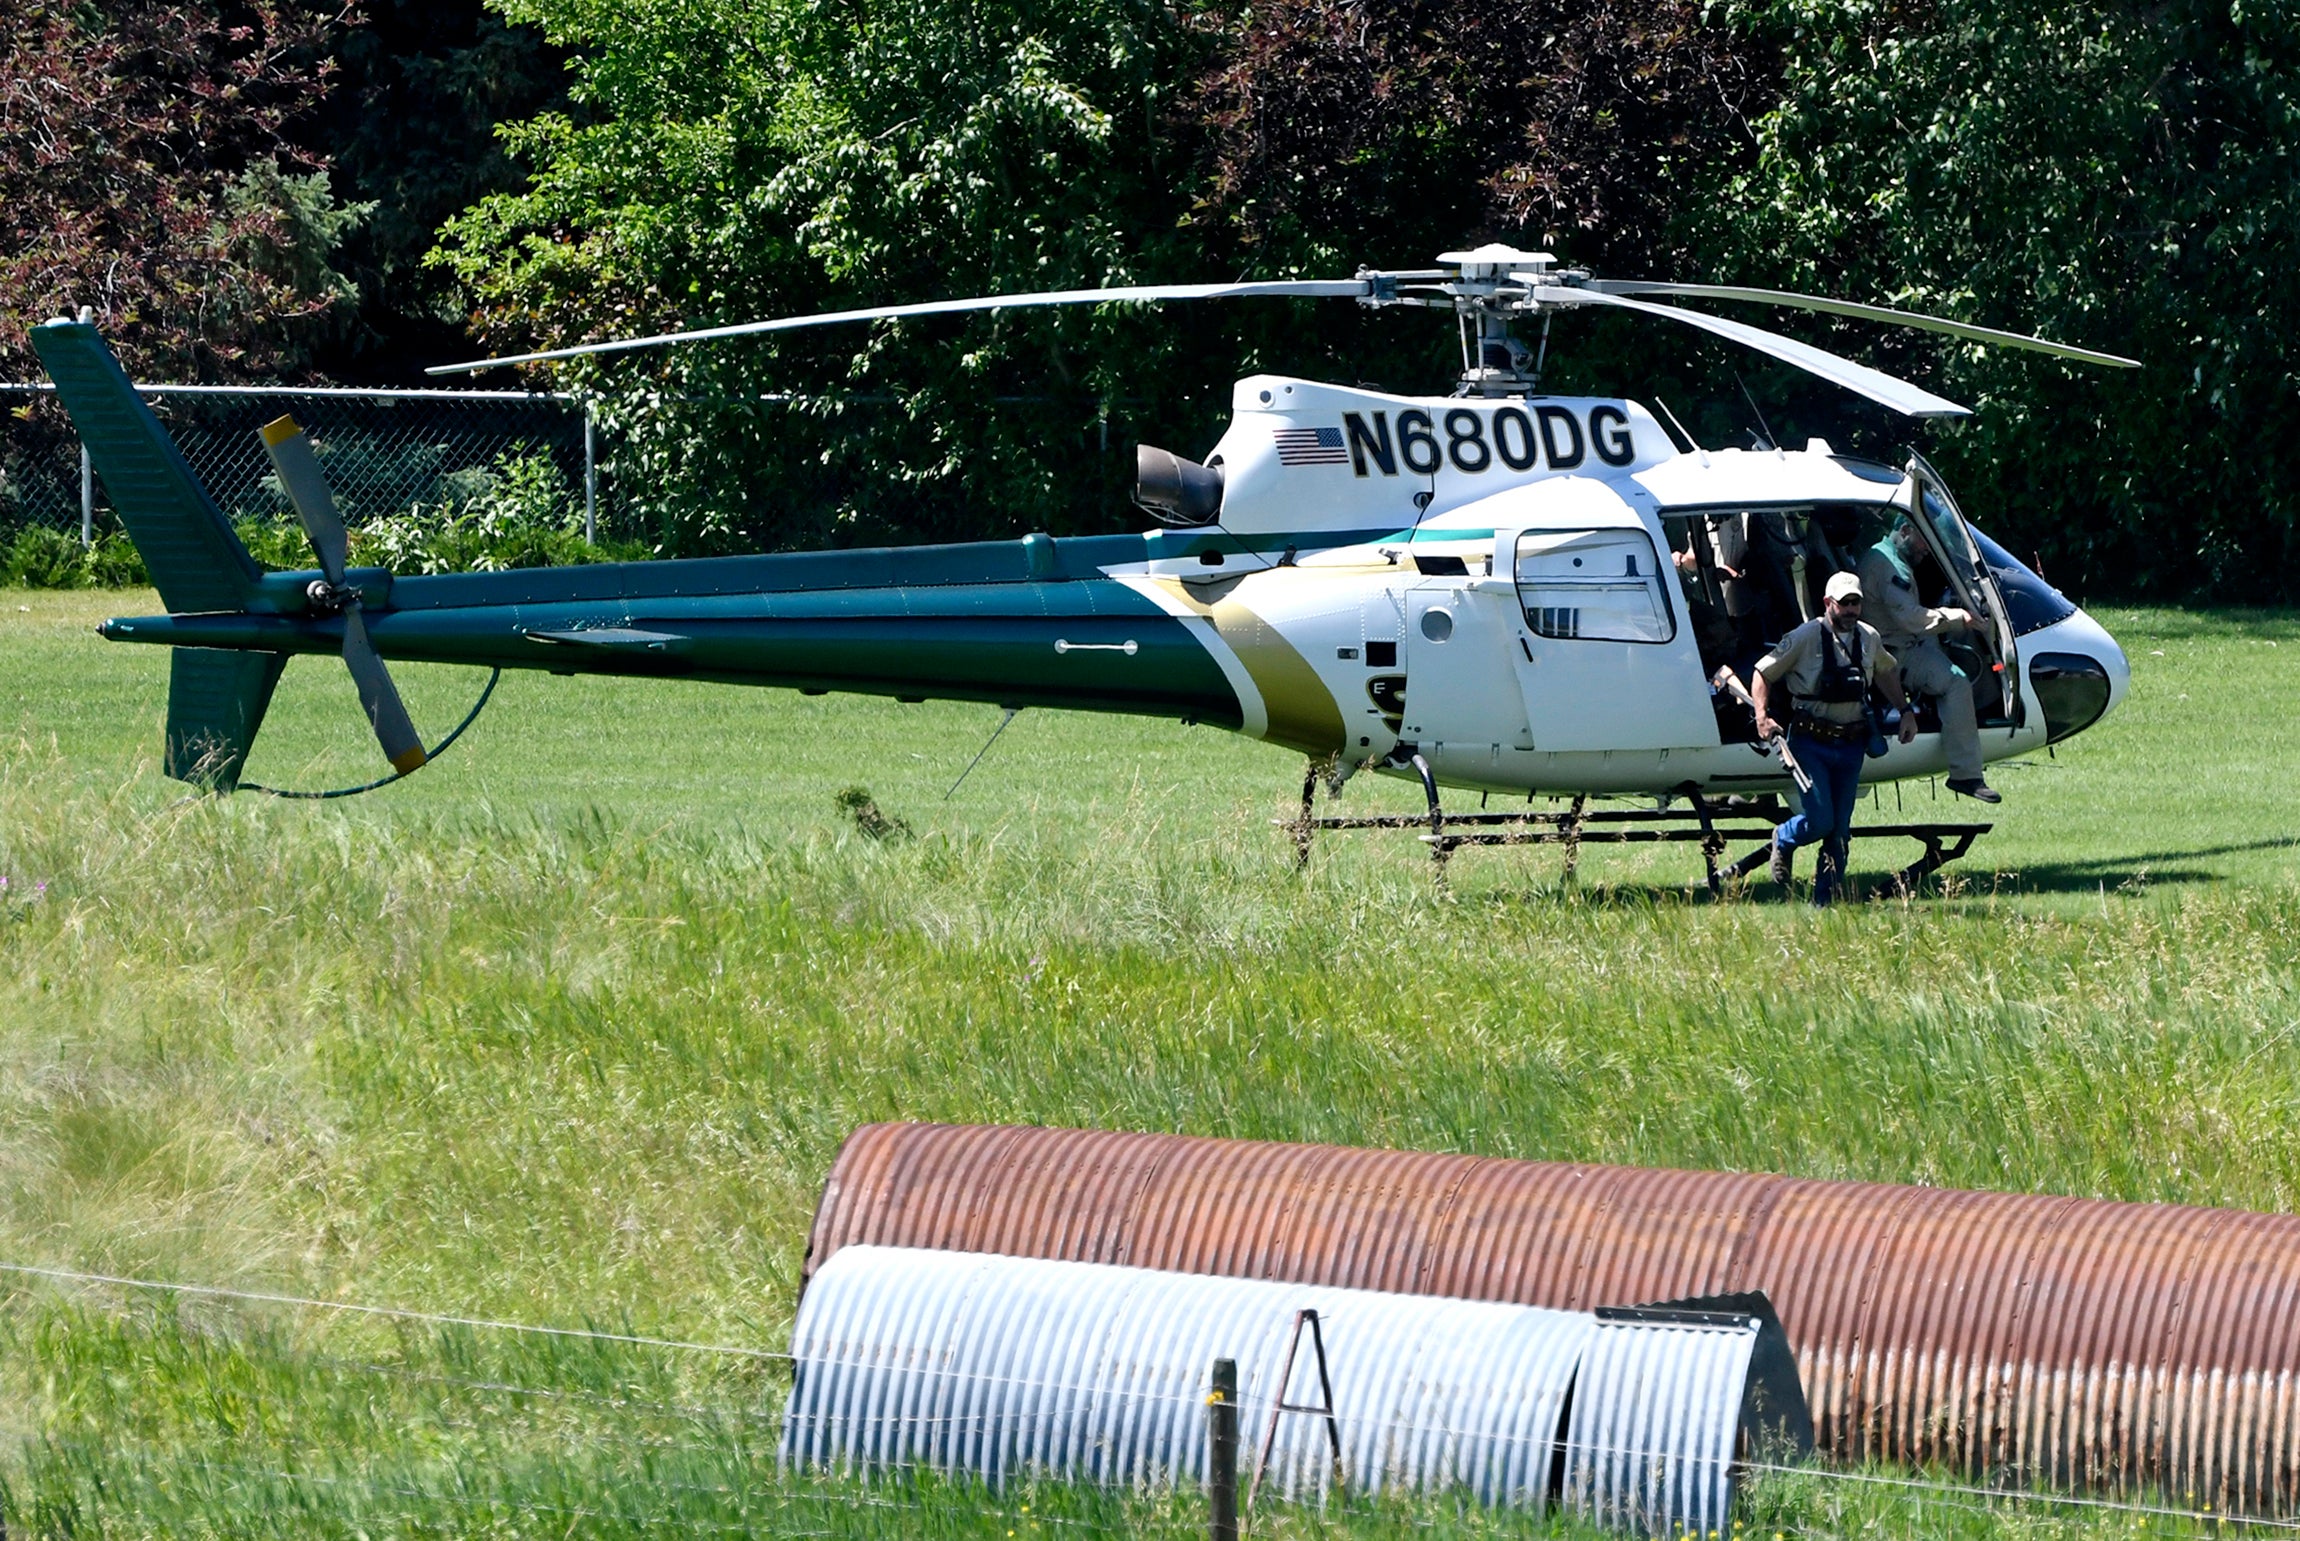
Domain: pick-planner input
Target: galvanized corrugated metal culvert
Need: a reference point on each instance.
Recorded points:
(2053, 1341)
(1002, 1367)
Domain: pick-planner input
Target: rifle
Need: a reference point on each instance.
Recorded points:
(1725, 679)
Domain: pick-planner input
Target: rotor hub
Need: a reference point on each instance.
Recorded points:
(326, 598)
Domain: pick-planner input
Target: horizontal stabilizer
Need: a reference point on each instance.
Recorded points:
(216, 701)
(621, 639)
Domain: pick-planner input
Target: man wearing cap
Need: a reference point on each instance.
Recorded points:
(1827, 665)
(1911, 629)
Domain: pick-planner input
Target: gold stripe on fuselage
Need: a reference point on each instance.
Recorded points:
(1302, 712)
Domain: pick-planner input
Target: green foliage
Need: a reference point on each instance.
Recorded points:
(286, 227)
(115, 563)
(857, 804)
(43, 558)
(2116, 176)
(277, 544)
(753, 157)
(518, 512)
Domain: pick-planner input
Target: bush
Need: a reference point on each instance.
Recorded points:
(115, 563)
(40, 557)
(518, 512)
(278, 544)
(43, 558)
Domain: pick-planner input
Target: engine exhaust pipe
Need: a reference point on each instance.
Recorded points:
(1174, 490)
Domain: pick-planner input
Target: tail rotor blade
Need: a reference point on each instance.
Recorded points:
(306, 488)
(393, 730)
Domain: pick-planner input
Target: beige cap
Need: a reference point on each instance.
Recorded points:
(1843, 586)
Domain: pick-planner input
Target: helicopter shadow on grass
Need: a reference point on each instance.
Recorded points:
(2124, 872)
(2127, 871)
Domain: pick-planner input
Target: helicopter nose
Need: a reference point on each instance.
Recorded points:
(2077, 672)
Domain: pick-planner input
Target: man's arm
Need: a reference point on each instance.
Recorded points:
(1771, 669)
(1761, 692)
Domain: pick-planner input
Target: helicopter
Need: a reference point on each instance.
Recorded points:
(1496, 590)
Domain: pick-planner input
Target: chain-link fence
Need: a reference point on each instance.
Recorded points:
(385, 452)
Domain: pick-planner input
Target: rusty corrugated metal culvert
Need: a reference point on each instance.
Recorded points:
(2022, 1338)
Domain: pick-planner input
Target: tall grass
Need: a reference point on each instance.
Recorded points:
(560, 1043)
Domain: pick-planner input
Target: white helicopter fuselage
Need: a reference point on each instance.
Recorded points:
(1495, 584)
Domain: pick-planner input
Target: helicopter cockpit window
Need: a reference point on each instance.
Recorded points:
(1593, 586)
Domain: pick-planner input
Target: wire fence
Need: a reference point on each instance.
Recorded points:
(387, 453)
(689, 1465)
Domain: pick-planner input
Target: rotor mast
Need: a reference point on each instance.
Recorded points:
(1486, 288)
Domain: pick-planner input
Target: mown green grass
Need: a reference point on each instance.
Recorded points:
(568, 1028)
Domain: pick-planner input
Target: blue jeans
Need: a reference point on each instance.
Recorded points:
(1827, 818)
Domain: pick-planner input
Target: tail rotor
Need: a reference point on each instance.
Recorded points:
(307, 489)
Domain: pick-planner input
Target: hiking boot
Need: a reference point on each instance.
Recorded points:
(1976, 789)
(1783, 864)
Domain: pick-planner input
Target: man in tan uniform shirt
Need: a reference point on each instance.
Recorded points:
(1911, 629)
(1826, 668)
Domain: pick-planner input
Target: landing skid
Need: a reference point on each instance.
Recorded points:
(1700, 821)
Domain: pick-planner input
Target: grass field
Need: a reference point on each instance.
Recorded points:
(567, 1029)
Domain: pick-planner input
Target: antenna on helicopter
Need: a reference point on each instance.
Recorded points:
(1768, 441)
(1486, 288)
(1690, 441)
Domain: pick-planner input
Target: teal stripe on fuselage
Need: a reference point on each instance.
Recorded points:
(992, 562)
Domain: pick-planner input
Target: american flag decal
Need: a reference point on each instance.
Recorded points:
(1311, 447)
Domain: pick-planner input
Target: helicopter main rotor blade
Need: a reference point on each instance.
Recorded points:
(1316, 289)
(1884, 389)
(1830, 307)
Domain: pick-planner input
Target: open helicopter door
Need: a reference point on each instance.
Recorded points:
(1943, 526)
(1603, 656)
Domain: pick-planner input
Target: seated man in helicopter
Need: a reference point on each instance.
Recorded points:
(1827, 666)
(1911, 631)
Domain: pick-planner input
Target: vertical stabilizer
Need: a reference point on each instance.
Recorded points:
(216, 701)
(195, 560)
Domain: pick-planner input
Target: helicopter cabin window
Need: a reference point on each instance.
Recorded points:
(1593, 586)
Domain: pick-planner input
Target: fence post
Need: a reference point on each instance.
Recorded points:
(1222, 1453)
(590, 476)
(87, 314)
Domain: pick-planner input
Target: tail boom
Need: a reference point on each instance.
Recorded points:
(1095, 646)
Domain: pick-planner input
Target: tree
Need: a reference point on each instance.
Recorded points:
(1348, 131)
(2121, 177)
(145, 172)
(747, 158)
(408, 125)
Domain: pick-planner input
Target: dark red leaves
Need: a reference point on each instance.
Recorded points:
(123, 130)
(1452, 120)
